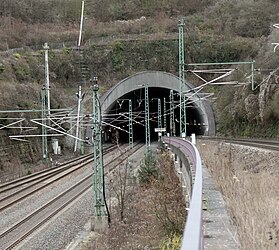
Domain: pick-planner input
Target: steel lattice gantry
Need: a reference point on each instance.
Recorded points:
(159, 117)
(130, 124)
(159, 114)
(172, 123)
(131, 139)
(165, 116)
(147, 127)
(44, 117)
(98, 175)
(182, 100)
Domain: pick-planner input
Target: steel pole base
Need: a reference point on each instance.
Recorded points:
(99, 223)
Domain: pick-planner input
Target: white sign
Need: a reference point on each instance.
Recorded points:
(160, 129)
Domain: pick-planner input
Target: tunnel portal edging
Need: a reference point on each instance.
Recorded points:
(161, 80)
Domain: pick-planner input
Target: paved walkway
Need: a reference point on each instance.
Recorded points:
(219, 232)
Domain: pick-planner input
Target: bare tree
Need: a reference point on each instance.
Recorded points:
(119, 187)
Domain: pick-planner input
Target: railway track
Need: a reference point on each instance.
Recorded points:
(12, 236)
(27, 179)
(14, 191)
(258, 143)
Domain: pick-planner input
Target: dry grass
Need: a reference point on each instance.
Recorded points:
(152, 214)
(248, 179)
(17, 34)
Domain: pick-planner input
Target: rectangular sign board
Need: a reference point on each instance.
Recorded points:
(160, 129)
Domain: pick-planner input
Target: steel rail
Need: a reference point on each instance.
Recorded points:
(16, 200)
(41, 209)
(42, 219)
(40, 176)
(252, 142)
(25, 179)
(126, 154)
(70, 169)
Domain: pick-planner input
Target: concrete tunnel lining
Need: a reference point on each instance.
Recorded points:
(162, 80)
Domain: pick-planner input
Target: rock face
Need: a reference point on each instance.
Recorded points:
(243, 112)
(14, 157)
(251, 103)
(267, 90)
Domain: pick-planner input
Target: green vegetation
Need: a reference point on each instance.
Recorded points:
(154, 215)
(173, 243)
(148, 169)
(2, 68)
(124, 37)
(121, 38)
(117, 56)
(21, 70)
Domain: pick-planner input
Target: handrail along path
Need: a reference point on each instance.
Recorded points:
(193, 232)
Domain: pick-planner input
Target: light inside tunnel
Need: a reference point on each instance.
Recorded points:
(117, 117)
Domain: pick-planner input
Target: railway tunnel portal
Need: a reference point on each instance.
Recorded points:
(115, 107)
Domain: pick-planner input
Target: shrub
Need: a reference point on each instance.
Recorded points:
(21, 70)
(117, 56)
(17, 56)
(2, 68)
(148, 169)
(172, 243)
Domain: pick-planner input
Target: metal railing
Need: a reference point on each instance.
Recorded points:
(193, 232)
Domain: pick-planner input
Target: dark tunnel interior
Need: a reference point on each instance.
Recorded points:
(118, 116)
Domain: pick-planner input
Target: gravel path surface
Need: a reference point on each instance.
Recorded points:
(86, 236)
(219, 231)
(22, 209)
(17, 212)
(62, 229)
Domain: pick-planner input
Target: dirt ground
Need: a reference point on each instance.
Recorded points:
(152, 214)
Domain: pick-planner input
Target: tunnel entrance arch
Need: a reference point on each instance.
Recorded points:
(115, 105)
